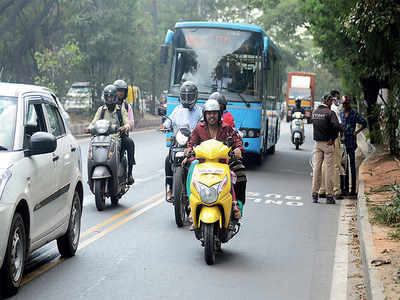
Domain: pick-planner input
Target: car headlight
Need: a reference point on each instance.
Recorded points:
(5, 175)
(181, 139)
(210, 194)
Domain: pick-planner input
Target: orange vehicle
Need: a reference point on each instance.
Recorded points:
(300, 85)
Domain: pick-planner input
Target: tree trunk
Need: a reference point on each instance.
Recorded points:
(154, 67)
(371, 86)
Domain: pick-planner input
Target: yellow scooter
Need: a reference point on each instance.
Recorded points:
(211, 193)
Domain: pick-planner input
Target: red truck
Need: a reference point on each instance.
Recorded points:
(300, 85)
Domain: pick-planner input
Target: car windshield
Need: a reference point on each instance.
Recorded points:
(299, 92)
(78, 90)
(218, 59)
(8, 116)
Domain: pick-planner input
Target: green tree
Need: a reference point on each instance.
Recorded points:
(56, 66)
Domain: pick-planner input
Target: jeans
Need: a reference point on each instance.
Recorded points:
(168, 171)
(352, 157)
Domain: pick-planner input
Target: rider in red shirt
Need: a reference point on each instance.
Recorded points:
(213, 128)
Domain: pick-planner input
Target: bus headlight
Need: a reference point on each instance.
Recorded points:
(251, 133)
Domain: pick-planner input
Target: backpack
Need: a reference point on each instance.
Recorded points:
(119, 116)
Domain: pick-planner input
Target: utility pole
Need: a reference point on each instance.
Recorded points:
(247, 11)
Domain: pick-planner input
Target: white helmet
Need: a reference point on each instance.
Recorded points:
(211, 105)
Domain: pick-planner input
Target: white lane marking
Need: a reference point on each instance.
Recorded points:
(276, 196)
(339, 276)
(277, 202)
(294, 203)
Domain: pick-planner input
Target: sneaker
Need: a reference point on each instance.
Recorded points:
(330, 200)
(339, 197)
(315, 198)
(353, 195)
(322, 195)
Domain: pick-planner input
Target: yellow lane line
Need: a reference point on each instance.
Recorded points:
(29, 277)
(121, 214)
(43, 269)
(118, 224)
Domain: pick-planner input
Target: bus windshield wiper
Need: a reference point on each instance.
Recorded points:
(244, 100)
(3, 148)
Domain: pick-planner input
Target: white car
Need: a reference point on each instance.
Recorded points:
(41, 190)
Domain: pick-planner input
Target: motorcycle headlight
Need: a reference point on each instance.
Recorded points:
(181, 139)
(210, 194)
(5, 175)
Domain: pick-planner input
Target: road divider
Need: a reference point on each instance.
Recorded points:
(152, 202)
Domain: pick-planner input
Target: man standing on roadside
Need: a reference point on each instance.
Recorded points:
(350, 118)
(326, 129)
(338, 185)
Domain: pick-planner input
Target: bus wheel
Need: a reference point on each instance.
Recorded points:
(259, 157)
(271, 150)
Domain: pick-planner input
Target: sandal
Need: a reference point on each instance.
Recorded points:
(169, 196)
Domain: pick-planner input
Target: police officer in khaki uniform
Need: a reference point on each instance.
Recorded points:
(326, 129)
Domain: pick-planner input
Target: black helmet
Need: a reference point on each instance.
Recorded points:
(188, 94)
(327, 97)
(298, 101)
(219, 97)
(121, 85)
(110, 96)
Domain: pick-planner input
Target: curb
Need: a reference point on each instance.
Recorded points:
(373, 283)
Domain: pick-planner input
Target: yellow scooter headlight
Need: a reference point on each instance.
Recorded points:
(210, 194)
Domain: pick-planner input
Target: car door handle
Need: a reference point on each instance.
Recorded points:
(55, 158)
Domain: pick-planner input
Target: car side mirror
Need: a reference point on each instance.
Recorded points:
(42, 143)
(164, 54)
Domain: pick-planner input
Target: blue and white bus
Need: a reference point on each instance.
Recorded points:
(238, 60)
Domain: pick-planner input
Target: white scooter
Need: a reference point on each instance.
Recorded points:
(297, 129)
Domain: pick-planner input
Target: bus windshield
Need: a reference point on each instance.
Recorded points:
(218, 60)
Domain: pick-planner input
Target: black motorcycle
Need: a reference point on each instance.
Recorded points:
(107, 166)
(179, 193)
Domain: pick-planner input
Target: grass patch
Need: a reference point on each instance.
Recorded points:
(388, 213)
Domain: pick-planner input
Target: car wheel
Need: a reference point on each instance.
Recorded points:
(68, 243)
(14, 260)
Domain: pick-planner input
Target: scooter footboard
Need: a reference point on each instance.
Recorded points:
(210, 215)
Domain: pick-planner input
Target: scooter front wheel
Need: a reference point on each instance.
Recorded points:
(209, 243)
(99, 194)
(297, 146)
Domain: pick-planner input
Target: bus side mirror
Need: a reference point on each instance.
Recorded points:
(164, 54)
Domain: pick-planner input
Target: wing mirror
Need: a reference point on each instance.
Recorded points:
(42, 143)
